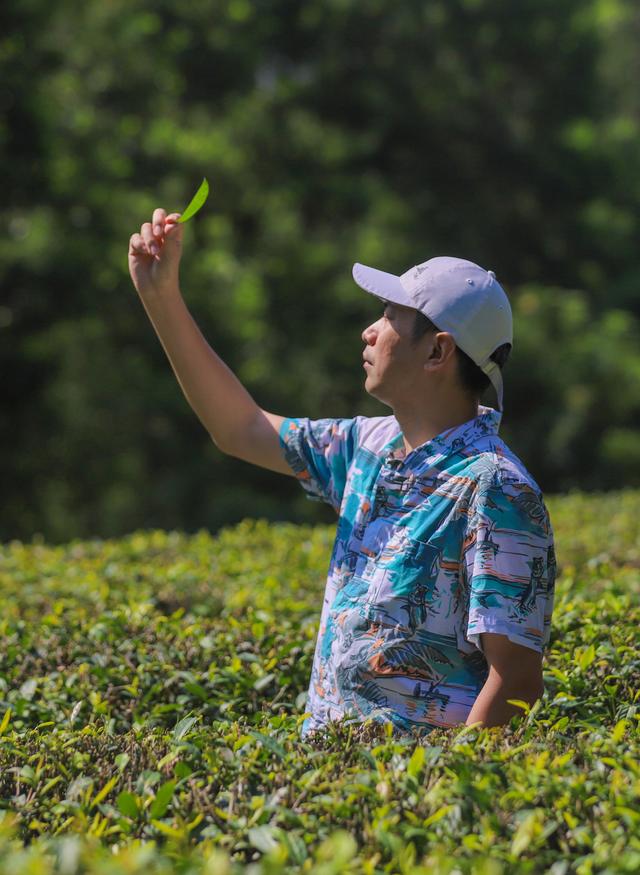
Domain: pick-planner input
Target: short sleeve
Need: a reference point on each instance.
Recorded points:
(320, 452)
(509, 565)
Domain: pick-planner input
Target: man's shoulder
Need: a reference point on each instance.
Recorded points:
(505, 491)
(494, 463)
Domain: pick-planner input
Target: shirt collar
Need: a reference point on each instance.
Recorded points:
(450, 440)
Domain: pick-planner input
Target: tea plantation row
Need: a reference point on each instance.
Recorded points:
(152, 690)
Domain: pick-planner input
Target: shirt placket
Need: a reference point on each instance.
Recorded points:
(392, 481)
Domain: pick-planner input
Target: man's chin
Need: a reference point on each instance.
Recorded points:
(374, 392)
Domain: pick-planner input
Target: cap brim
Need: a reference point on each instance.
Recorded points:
(383, 285)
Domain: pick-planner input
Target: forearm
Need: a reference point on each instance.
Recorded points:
(218, 398)
(491, 707)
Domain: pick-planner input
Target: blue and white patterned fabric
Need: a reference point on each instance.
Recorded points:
(432, 548)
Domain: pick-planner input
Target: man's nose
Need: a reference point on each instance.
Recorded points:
(368, 335)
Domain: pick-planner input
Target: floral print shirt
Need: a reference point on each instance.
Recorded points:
(432, 548)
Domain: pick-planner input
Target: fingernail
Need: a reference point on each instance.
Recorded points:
(157, 229)
(154, 248)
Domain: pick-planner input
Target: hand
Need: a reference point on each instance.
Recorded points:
(154, 254)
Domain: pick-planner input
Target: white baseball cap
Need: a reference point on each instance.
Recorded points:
(458, 296)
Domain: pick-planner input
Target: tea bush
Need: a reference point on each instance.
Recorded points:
(152, 690)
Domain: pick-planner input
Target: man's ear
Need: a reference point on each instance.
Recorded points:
(442, 348)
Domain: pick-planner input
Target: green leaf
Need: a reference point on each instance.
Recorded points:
(520, 703)
(127, 804)
(268, 742)
(197, 690)
(162, 800)
(108, 787)
(168, 830)
(263, 682)
(49, 785)
(264, 838)
(585, 656)
(296, 847)
(528, 830)
(182, 727)
(182, 770)
(618, 731)
(438, 815)
(121, 761)
(196, 201)
(27, 775)
(5, 720)
(416, 762)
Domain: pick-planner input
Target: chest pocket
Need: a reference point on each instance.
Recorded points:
(403, 581)
(387, 508)
(376, 536)
(420, 560)
(414, 575)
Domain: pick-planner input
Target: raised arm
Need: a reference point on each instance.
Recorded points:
(237, 425)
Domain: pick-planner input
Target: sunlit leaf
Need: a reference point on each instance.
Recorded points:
(416, 762)
(196, 202)
(5, 720)
(162, 800)
(182, 727)
(127, 804)
(108, 787)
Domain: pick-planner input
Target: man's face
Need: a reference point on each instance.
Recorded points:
(393, 367)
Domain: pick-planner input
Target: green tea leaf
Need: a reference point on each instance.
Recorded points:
(181, 728)
(5, 720)
(121, 761)
(197, 690)
(182, 770)
(162, 800)
(268, 742)
(416, 762)
(296, 847)
(127, 804)
(527, 832)
(108, 787)
(264, 838)
(585, 656)
(49, 785)
(520, 703)
(263, 682)
(438, 815)
(618, 731)
(196, 202)
(168, 830)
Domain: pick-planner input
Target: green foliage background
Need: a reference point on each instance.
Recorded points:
(332, 131)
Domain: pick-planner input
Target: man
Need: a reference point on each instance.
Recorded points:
(440, 590)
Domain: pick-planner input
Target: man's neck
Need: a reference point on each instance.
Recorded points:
(420, 426)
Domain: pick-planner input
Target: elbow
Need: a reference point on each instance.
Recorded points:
(220, 445)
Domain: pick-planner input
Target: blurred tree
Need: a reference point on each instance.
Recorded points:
(331, 132)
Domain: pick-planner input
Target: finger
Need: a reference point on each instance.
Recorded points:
(137, 245)
(147, 235)
(172, 230)
(159, 216)
(173, 217)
